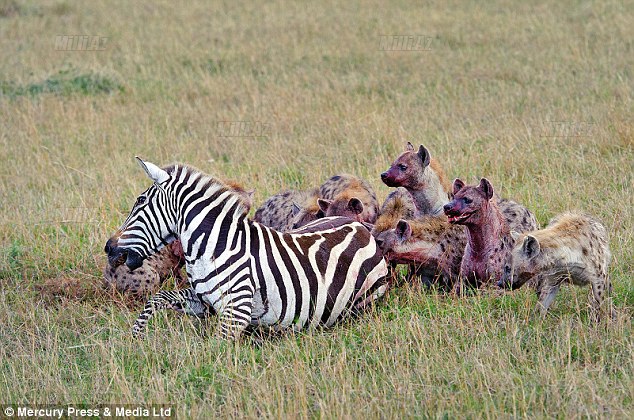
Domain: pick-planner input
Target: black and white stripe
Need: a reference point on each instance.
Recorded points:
(185, 301)
(247, 272)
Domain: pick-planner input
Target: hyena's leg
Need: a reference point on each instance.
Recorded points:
(546, 296)
(601, 289)
(185, 301)
(611, 308)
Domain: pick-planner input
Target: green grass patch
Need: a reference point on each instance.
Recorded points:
(64, 83)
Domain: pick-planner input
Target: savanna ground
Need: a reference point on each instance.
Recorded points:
(538, 97)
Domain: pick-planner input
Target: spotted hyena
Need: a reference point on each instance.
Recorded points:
(425, 179)
(288, 210)
(489, 240)
(349, 196)
(430, 245)
(148, 278)
(573, 248)
(306, 212)
(422, 176)
(399, 201)
(398, 205)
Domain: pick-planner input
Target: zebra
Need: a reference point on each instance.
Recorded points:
(247, 273)
(185, 301)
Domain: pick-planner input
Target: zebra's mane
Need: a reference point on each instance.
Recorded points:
(205, 181)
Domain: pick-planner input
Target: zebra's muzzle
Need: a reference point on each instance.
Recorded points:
(116, 256)
(134, 260)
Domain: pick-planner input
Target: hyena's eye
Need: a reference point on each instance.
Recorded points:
(140, 200)
(402, 167)
(507, 269)
(468, 201)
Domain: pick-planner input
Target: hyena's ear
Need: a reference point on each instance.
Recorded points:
(296, 209)
(424, 155)
(515, 235)
(487, 188)
(403, 230)
(355, 205)
(323, 205)
(457, 185)
(155, 173)
(530, 247)
(409, 147)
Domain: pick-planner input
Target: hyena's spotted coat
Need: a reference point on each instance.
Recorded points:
(399, 202)
(148, 278)
(573, 248)
(288, 210)
(431, 246)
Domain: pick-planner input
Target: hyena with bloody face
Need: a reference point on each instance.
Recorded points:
(425, 179)
(422, 177)
(573, 248)
(431, 246)
(289, 210)
(489, 240)
(348, 196)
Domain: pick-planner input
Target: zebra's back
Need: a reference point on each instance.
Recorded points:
(311, 276)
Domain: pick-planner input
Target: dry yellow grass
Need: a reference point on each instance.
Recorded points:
(483, 98)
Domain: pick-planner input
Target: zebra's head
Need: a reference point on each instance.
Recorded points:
(150, 225)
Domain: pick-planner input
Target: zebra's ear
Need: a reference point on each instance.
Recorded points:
(155, 173)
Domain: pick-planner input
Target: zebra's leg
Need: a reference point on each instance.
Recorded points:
(185, 301)
(235, 316)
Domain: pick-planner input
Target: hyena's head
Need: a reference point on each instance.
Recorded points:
(408, 170)
(388, 240)
(470, 202)
(150, 224)
(350, 207)
(304, 215)
(522, 263)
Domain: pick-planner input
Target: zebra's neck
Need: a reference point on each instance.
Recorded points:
(211, 224)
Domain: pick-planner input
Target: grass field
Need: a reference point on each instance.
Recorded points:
(537, 97)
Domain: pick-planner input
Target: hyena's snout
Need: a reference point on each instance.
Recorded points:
(389, 178)
(450, 208)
